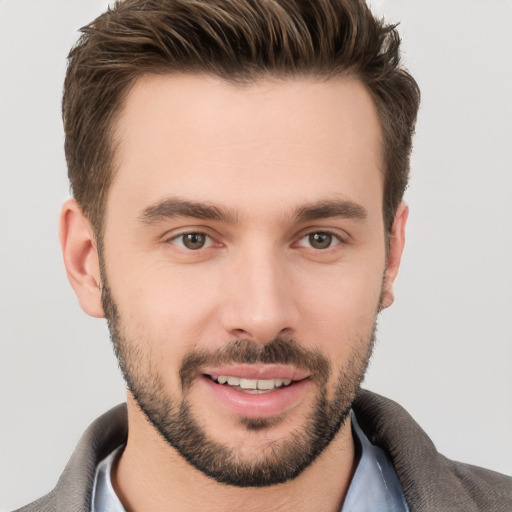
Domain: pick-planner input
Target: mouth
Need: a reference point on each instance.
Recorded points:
(256, 391)
(251, 386)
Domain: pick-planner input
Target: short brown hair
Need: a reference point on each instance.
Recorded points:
(239, 41)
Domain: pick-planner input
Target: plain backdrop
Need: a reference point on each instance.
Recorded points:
(444, 349)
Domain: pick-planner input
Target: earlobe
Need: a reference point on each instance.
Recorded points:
(396, 247)
(80, 253)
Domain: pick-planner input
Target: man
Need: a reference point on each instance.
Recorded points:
(237, 173)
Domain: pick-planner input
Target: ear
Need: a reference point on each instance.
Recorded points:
(80, 254)
(396, 247)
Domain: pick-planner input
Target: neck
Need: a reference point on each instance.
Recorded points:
(152, 476)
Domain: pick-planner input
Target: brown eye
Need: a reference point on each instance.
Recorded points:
(191, 241)
(320, 240)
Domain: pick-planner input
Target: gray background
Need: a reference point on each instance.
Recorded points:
(444, 348)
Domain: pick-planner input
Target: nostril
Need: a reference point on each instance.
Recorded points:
(241, 334)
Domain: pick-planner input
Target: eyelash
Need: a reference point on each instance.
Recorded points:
(189, 233)
(333, 236)
(209, 240)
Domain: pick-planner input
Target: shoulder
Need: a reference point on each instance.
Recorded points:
(74, 488)
(491, 488)
(430, 481)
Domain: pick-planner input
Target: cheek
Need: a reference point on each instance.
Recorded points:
(170, 309)
(345, 290)
(340, 311)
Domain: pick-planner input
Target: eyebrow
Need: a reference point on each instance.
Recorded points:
(330, 209)
(175, 207)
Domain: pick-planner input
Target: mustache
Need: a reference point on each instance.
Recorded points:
(278, 351)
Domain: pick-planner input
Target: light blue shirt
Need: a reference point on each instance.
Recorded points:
(104, 498)
(374, 488)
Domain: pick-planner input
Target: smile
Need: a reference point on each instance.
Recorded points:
(254, 386)
(255, 391)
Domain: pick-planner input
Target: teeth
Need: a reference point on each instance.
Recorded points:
(233, 381)
(266, 384)
(262, 384)
(248, 383)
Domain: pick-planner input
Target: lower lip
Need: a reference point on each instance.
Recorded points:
(261, 405)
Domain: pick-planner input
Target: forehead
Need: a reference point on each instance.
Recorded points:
(276, 140)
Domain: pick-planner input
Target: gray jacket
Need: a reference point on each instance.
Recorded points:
(431, 482)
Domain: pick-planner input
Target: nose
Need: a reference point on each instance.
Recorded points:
(260, 300)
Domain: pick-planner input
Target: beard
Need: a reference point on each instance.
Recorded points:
(174, 419)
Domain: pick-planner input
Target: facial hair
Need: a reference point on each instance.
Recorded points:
(275, 463)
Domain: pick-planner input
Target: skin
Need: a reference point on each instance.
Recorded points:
(259, 152)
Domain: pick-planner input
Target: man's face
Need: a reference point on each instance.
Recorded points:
(244, 256)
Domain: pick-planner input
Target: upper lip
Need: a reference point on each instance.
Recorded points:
(257, 371)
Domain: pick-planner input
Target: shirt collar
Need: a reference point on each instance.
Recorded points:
(375, 486)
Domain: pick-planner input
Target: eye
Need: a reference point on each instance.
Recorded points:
(192, 241)
(319, 240)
